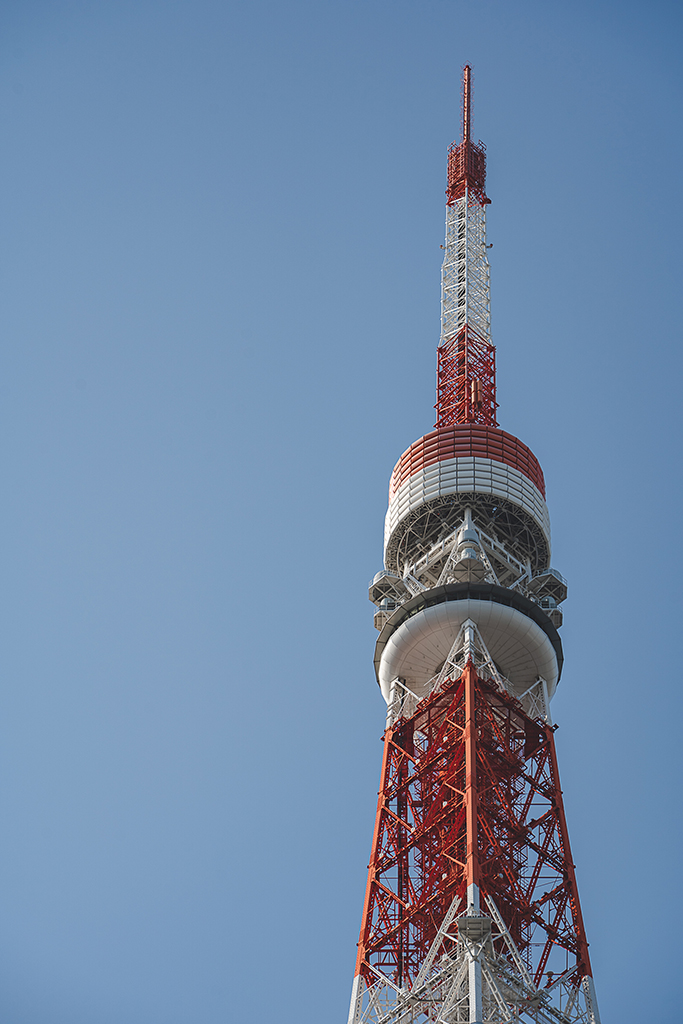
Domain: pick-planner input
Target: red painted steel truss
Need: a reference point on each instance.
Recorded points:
(470, 793)
(467, 170)
(466, 380)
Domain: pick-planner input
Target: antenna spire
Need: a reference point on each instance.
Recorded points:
(467, 159)
(466, 102)
(466, 374)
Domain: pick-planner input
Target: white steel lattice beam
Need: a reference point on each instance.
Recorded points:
(442, 991)
(465, 275)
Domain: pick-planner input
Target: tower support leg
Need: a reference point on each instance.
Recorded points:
(591, 998)
(356, 999)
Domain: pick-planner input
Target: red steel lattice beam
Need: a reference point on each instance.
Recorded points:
(466, 380)
(469, 793)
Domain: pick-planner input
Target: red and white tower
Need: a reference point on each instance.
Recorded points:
(471, 909)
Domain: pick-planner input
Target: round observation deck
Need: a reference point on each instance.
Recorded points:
(519, 635)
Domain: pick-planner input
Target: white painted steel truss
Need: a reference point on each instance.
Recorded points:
(434, 568)
(474, 972)
(465, 276)
(502, 567)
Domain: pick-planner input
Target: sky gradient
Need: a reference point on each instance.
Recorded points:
(219, 301)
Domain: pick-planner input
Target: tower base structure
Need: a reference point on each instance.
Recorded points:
(471, 911)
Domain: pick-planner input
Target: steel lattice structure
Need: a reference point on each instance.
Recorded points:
(471, 910)
(466, 375)
(470, 790)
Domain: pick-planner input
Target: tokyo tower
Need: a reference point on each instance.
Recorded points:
(471, 909)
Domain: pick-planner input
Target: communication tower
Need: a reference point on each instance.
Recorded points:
(471, 909)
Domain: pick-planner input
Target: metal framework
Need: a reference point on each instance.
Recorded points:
(471, 909)
(466, 372)
(470, 808)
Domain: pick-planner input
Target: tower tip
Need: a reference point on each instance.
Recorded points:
(466, 102)
(467, 159)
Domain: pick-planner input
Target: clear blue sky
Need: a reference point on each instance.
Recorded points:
(219, 305)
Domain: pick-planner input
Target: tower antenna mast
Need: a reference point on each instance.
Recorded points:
(466, 357)
(466, 102)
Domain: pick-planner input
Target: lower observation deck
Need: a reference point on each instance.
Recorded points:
(417, 637)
